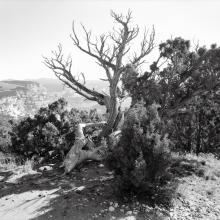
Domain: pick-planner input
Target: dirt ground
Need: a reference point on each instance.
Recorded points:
(42, 193)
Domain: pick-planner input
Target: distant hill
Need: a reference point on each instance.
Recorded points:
(22, 98)
(76, 100)
(11, 87)
(25, 97)
(56, 85)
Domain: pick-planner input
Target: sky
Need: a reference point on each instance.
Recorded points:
(30, 29)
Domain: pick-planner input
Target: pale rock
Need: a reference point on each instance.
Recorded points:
(131, 218)
(111, 209)
(116, 205)
(129, 213)
(45, 168)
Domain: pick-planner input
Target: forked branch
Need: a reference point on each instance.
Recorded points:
(92, 48)
(62, 69)
(147, 45)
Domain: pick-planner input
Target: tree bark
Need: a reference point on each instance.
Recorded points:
(198, 137)
(110, 52)
(76, 155)
(113, 112)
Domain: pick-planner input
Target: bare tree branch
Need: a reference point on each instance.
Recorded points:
(109, 51)
(89, 44)
(196, 45)
(103, 79)
(146, 47)
(61, 70)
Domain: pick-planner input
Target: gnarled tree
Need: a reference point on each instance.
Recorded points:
(177, 77)
(110, 52)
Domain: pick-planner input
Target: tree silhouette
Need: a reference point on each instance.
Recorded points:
(109, 51)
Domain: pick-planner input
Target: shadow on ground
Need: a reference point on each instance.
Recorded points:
(44, 194)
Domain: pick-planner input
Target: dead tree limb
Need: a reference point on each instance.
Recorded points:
(76, 155)
(109, 52)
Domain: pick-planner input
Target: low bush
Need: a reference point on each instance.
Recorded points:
(51, 129)
(6, 126)
(142, 157)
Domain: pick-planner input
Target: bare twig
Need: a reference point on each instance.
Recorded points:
(146, 47)
(89, 49)
(62, 71)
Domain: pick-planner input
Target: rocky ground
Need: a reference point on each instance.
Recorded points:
(42, 194)
(195, 205)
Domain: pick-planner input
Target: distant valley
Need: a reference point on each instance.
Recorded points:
(22, 98)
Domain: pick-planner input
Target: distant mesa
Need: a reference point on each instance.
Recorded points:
(25, 97)
(11, 87)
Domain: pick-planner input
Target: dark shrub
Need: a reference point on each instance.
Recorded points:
(6, 125)
(142, 156)
(51, 129)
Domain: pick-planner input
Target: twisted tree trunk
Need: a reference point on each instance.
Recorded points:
(76, 155)
(110, 52)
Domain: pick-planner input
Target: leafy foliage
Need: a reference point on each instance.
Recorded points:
(198, 130)
(186, 75)
(6, 125)
(187, 95)
(142, 156)
(187, 91)
(52, 128)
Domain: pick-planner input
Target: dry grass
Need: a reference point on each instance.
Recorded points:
(11, 162)
(209, 165)
(199, 177)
